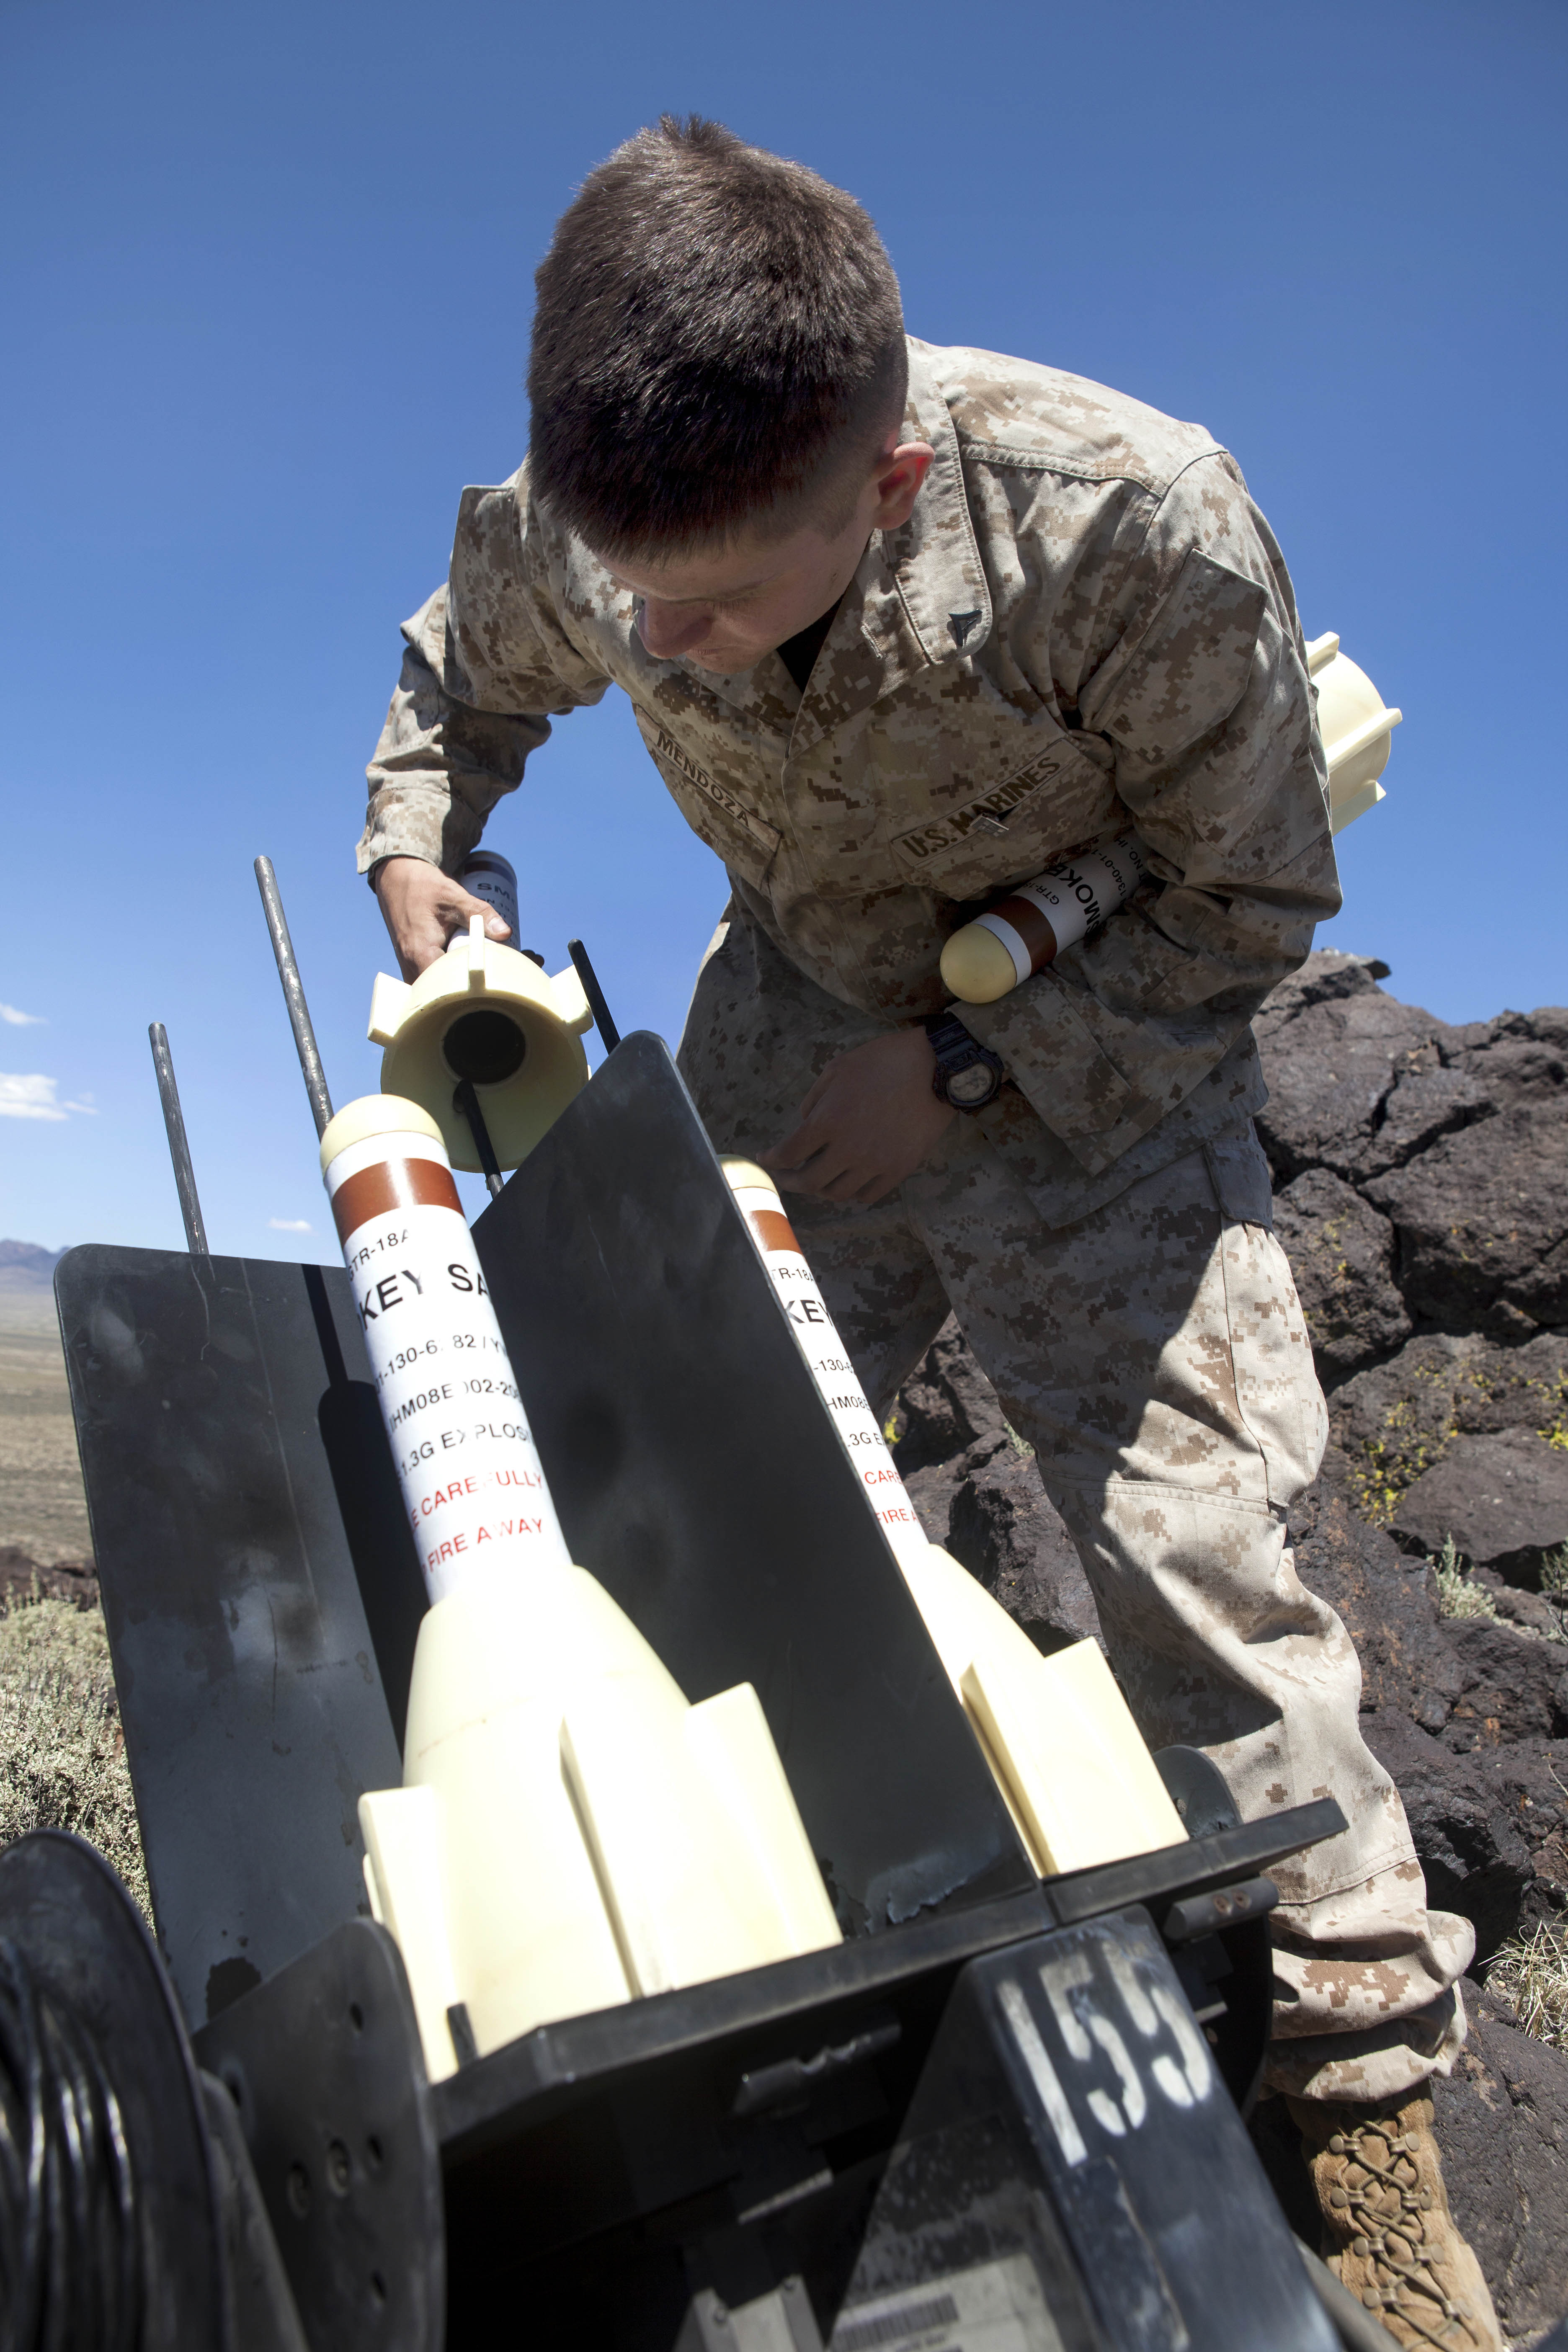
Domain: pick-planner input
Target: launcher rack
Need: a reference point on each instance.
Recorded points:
(1006, 2114)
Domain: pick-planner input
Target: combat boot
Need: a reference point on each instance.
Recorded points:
(1387, 2229)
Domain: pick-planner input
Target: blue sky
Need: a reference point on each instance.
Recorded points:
(266, 286)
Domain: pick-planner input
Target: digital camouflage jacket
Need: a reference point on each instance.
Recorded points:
(1086, 623)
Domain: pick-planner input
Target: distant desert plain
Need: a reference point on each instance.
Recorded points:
(43, 1510)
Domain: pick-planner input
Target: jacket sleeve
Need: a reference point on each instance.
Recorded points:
(488, 663)
(1204, 701)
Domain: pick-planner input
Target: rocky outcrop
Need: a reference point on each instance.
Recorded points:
(1456, 1137)
(1357, 1081)
(1482, 1221)
(1343, 1252)
(975, 1484)
(1502, 2121)
(1395, 1421)
(1388, 1603)
(1462, 1817)
(1502, 1500)
(1006, 1533)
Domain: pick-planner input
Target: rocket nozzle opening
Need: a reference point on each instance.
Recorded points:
(484, 1045)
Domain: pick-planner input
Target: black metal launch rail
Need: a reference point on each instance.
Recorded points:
(1004, 2116)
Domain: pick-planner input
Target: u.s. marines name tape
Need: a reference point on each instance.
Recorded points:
(997, 804)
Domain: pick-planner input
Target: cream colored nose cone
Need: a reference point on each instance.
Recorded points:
(976, 967)
(1357, 729)
(484, 1012)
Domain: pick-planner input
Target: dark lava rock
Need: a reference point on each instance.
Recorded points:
(1007, 1533)
(1476, 1859)
(1342, 1255)
(1334, 1048)
(1503, 1498)
(21, 1579)
(931, 1491)
(1530, 1610)
(1328, 975)
(1512, 1684)
(945, 1406)
(1522, 1058)
(978, 1492)
(1427, 1103)
(1501, 2120)
(1520, 1783)
(1395, 1421)
(947, 1424)
(1482, 1218)
(1388, 1604)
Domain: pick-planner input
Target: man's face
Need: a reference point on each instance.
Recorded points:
(726, 606)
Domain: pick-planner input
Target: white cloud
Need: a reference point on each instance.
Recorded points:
(16, 1020)
(33, 1098)
(292, 1224)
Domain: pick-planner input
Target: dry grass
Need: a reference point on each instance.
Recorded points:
(1533, 1970)
(62, 1754)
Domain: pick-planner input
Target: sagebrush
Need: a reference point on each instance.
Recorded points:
(62, 1753)
(1457, 1595)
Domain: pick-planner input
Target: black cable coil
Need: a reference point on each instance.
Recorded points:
(72, 2277)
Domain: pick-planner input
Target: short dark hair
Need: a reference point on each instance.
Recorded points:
(714, 324)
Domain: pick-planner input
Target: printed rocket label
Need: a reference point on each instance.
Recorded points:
(836, 1382)
(474, 1492)
(1039, 918)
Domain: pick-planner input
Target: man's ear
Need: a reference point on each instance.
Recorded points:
(899, 478)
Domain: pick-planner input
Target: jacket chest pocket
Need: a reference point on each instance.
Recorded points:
(746, 842)
(1010, 830)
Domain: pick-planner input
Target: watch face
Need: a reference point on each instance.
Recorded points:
(972, 1086)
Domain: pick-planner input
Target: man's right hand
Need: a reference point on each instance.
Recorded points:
(423, 909)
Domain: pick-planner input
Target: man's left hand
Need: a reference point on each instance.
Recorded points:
(870, 1120)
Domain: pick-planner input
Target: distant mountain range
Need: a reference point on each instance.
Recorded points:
(25, 1266)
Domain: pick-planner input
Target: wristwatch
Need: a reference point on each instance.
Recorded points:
(968, 1075)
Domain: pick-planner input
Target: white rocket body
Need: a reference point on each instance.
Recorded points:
(475, 1493)
(570, 1832)
(1065, 1752)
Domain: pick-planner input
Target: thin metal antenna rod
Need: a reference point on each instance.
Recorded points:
(179, 1148)
(467, 1102)
(610, 1034)
(294, 996)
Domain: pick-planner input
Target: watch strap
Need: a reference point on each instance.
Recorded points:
(957, 1049)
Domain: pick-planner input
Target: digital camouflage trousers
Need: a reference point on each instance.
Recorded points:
(1154, 1355)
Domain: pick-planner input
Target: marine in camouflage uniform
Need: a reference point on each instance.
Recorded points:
(1085, 624)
